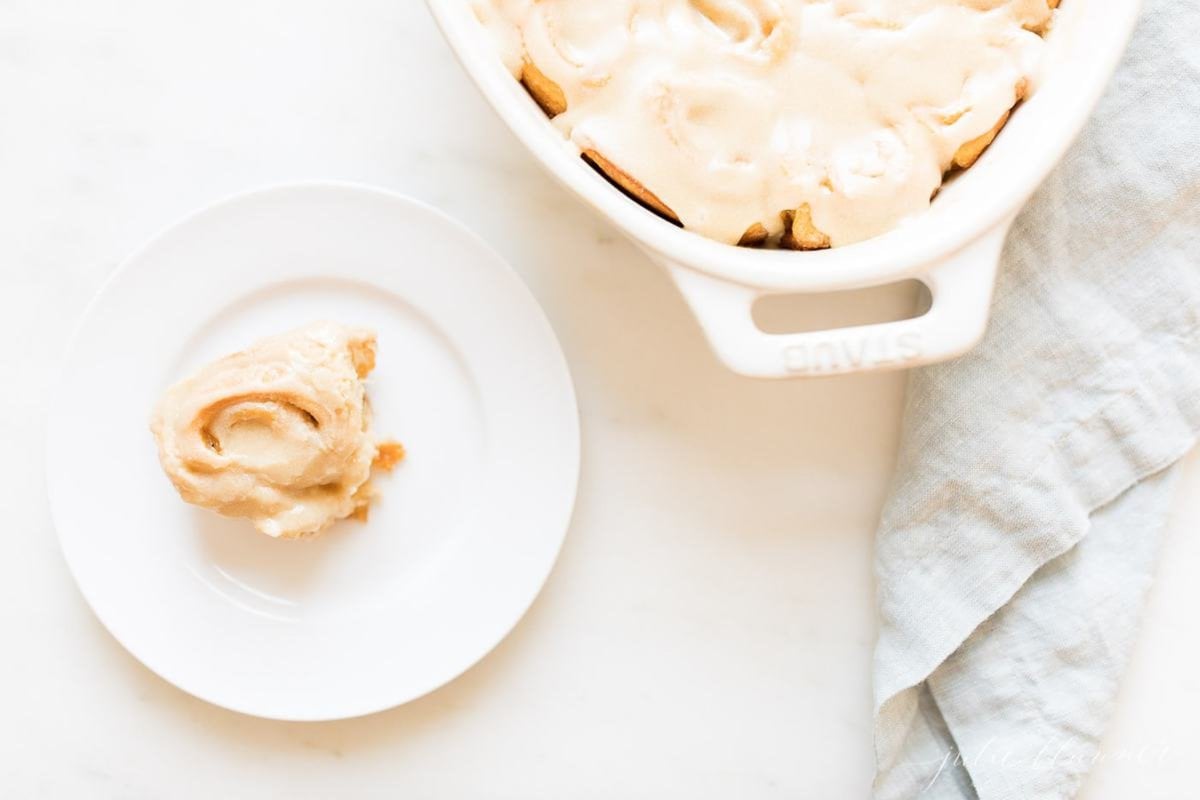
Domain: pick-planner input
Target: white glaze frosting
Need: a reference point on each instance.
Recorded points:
(731, 111)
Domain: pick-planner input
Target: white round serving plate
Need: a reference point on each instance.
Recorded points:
(470, 377)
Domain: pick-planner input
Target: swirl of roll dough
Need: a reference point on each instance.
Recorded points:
(279, 433)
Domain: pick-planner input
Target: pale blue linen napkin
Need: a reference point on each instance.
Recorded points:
(1035, 474)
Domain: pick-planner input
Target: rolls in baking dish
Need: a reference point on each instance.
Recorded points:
(788, 123)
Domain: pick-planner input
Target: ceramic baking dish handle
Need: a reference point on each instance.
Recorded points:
(960, 284)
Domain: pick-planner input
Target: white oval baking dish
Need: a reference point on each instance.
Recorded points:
(954, 248)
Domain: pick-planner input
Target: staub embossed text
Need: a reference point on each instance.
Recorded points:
(836, 353)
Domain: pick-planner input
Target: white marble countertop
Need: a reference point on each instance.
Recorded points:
(708, 630)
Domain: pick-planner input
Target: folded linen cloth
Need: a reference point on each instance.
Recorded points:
(1035, 476)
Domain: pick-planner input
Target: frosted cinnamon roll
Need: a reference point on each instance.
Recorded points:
(799, 123)
(279, 433)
